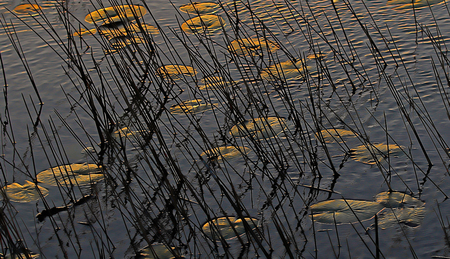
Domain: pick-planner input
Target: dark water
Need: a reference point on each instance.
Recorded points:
(406, 40)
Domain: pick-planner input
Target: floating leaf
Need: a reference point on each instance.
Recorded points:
(214, 83)
(227, 227)
(82, 31)
(285, 71)
(203, 23)
(113, 14)
(143, 28)
(334, 135)
(259, 127)
(411, 217)
(344, 211)
(175, 71)
(24, 193)
(191, 106)
(159, 251)
(372, 153)
(226, 152)
(252, 46)
(199, 8)
(76, 174)
(31, 9)
(397, 200)
(126, 132)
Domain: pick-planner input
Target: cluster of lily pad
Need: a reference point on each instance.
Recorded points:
(392, 207)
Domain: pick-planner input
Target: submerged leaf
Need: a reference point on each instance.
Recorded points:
(159, 251)
(334, 135)
(397, 200)
(342, 211)
(285, 71)
(227, 227)
(31, 9)
(226, 152)
(259, 127)
(199, 8)
(76, 174)
(191, 106)
(113, 14)
(411, 217)
(252, 46)
(203, 23)
(24, 193)
(175, 71)
(372, 154)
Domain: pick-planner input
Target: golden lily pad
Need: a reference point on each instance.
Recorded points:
(334, 135)
(397, 200)
(252, 46)
(143, 28)
(411, 217)
(191, 106)
(31, 9)
(76, 174)
(226, 152)
(199, 8)
(176, 71)
(214, 83)
(159, 251)
(372, 154)
(203, 23)
(24, 193)
(227, 227)
(113, 14)
(82, 31)
(259, 127)
(285, 71)
(126, 132)
(342, 211)
(416, 4)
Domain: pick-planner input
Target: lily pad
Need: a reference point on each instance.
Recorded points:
(82, 32)
(411, 217)
(252, 46)
(176, 71)
(191, 106)
(200, 8)
(286, 70)
(397, 200)
(259, 127)
(159, 251)
(372, 154)
(143, 28)
(342, 211)
(203, 23)
(76, 174)
(31, 9)
(227, 227)
(126, 132)
(226, 152)
(24, 193)
(113, 14)
(334, 135)
(215, 83)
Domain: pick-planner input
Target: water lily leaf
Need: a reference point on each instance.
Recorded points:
(397, 200)
(175, 71)
(334, 135)
(259, 127)
(203, 23)
(411, 217)
(126, 132)
(252, 46)
(24, 193)
(372, 153)
(199, 8)
(159, 251)
(113, 14)
(76, 174)
(215, 83)
(226, 152)
(285, 71)
(82, 32)
(143, 28)
(227, 227)
(31, 9)
(190, 106)
(344, 211)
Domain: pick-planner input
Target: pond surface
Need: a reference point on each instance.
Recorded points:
(377, 70)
